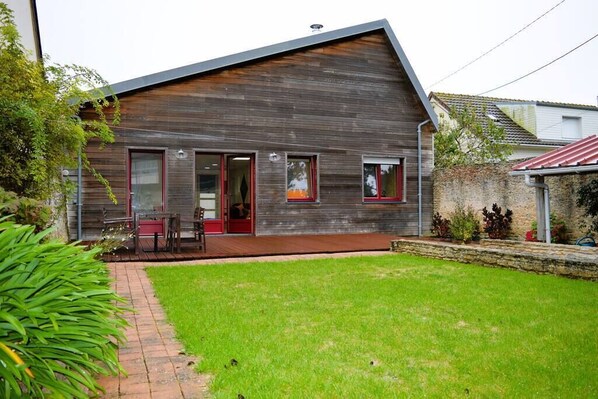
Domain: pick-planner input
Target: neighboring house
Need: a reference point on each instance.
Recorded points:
(316, 135)
(25, 16)
(532, 127)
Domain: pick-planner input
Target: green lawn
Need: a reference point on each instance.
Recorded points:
(387, 326)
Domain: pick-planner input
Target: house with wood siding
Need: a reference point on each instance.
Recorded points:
(331, 133)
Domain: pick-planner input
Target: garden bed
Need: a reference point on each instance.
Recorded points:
(564, 260)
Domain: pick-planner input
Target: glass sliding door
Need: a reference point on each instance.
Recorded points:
(240, 193)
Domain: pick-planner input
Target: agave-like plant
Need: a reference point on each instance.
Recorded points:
(60, 322)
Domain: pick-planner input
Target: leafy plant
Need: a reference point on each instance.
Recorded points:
(24, 210)
(587, 197)
(465, 226)
(59, 321)
(40, 132)
(559, 233)
(465, 138)
(496, 224)
(441, 227)
(112, 239)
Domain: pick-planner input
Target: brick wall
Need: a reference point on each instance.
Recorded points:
(482, 185)
(571, 261)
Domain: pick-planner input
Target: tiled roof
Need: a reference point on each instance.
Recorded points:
(579, 154)
(515, 134)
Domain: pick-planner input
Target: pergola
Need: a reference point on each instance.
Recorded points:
(578, 157)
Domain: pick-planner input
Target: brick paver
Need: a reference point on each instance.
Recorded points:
(156, 365)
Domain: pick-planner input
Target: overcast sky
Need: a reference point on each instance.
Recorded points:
(124, 39)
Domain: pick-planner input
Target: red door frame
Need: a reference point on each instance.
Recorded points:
(221, 225)
(246, 226)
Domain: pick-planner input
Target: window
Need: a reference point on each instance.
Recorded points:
(146, 182)
(302, 178)
(571, 127)
(383, 179)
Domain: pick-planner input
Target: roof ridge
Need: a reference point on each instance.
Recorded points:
(501, 99)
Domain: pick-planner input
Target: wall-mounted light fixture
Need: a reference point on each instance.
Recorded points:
(274, 157)
(181, 154)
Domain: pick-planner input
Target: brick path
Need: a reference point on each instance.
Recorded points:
(156, 366)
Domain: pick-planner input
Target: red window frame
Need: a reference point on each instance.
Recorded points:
(379, 189)
(313, 166)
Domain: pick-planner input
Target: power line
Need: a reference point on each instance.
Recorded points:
(495, 47)
(540, 68)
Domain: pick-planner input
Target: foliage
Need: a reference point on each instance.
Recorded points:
(465, 225)
(559, 233)
(441, 227)
(24, 210)
(496, 224)
(465, 139)
(113, 238)
(41, 133)
(587, 197)
(59, 322)
(389, 326)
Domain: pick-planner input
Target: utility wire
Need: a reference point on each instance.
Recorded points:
(540, 68)
(495, 47)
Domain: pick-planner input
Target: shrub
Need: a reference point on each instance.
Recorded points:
(496, 224)
(465, 226)
(587, 197)
(59, 321)
(441, 227)
(559, 233)
(24, 210)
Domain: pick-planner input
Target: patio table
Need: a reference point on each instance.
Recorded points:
(156, 223)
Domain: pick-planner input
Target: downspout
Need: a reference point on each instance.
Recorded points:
(79, 196)
(546, 205)
(419, 177)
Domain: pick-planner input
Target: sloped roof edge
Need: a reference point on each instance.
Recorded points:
(280, 48)
(577, 157)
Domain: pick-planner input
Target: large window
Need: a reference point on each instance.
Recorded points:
(146, 182)
(302, 178)
(383, 179)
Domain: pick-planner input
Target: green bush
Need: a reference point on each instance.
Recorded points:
(587, 197)
(559, 233)
(25, 210)
(59, 320)
(465, 226)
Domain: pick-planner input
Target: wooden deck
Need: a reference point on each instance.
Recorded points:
(233, 246)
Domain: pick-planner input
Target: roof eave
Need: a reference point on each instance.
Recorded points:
(555, 171)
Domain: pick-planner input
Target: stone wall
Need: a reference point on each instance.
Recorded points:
(480, 186)
(564, 260)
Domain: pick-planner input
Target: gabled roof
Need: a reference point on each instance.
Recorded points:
(314, 40)
(485, 108)
(577, 157)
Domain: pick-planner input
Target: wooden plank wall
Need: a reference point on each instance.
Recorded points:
(339, 101)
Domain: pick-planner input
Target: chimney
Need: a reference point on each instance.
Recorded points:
(316, 28)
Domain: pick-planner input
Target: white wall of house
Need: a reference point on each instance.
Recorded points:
(553, 122)
(558, 123)
(528, 151)
(25, 22)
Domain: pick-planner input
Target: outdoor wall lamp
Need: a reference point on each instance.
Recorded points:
(273, 157)
(181, 154)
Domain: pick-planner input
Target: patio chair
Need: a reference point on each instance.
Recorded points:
(192, 230)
